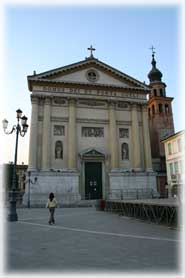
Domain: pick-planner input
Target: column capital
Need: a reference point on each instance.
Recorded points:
(47, 100)
(134, 105)
(71, 100)
(112, 103)
(144, 107)
(34, 99)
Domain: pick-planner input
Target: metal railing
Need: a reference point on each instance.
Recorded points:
(157, 213)
(40, 199)
(132, 194)
(69, 198)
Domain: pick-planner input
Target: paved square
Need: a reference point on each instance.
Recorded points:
(84, 239)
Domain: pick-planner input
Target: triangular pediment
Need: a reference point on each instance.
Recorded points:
(88, 72)
(91, 152)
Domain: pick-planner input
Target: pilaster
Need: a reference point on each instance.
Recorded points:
(113, 136)
(146, 138)
(72, 134)
(46, 140)
(32, 165)
(135, 139)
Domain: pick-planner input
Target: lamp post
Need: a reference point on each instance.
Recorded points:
(19, 129)
(29, 183)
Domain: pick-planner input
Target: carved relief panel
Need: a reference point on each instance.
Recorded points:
(123, 133)
(59, 130)
(92, 132)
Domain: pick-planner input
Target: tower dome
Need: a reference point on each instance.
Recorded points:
(155, 74)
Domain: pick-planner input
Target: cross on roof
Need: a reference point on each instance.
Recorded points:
(152, 48)
(91, 49)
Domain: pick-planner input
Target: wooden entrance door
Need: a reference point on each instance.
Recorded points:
(93, 180)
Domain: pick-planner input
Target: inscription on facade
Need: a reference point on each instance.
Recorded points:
(92, 132)
(77, 91)
(92, 103)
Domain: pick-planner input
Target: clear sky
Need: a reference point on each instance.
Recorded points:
(42, 38)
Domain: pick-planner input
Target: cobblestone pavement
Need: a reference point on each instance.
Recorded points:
(84, 240)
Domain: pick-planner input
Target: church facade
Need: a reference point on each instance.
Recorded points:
(89, 134)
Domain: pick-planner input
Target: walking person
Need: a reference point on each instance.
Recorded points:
(51, 204)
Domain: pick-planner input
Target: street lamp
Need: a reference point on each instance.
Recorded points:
(29, 183)
(19, 129)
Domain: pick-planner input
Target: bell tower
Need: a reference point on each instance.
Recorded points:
(160, 117)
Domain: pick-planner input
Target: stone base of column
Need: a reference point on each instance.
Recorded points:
(137, 170)
(31, 169)
(63, 183)
(149, 170)
(132, 185)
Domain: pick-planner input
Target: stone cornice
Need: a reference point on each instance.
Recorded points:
(129, 98)
(159, 98)
(34, 99)
(70, 84)
(92, 121)
(127, 123)
(85, 64)
(87, 121)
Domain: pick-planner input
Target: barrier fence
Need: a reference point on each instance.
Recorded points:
(138, 203)
(132, 194)
(156, 213)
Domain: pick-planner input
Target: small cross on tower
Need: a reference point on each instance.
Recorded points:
(91, 49)
(153, 52)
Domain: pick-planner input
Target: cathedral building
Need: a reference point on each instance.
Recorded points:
(93, 131)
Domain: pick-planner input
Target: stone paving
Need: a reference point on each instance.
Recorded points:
(84, 240)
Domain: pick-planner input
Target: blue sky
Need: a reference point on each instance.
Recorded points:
(42, 38)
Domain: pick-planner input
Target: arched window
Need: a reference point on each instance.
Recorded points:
(58, 150)
(161, 92)
(160, 108)
(124, 151)
(153, 109)
(155, 92)
(149, 112)
(166, 108)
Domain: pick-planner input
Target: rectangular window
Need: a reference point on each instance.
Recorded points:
(181, 166)
(123, 133)
(92, 132)
(176, 165)
(179, 144)
(171, 168)
(169, 148)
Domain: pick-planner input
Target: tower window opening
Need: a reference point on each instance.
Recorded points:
(161, 92)
(166, 108)
(149, 111)
(160, 108)
(153, 109)
(155, 92)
